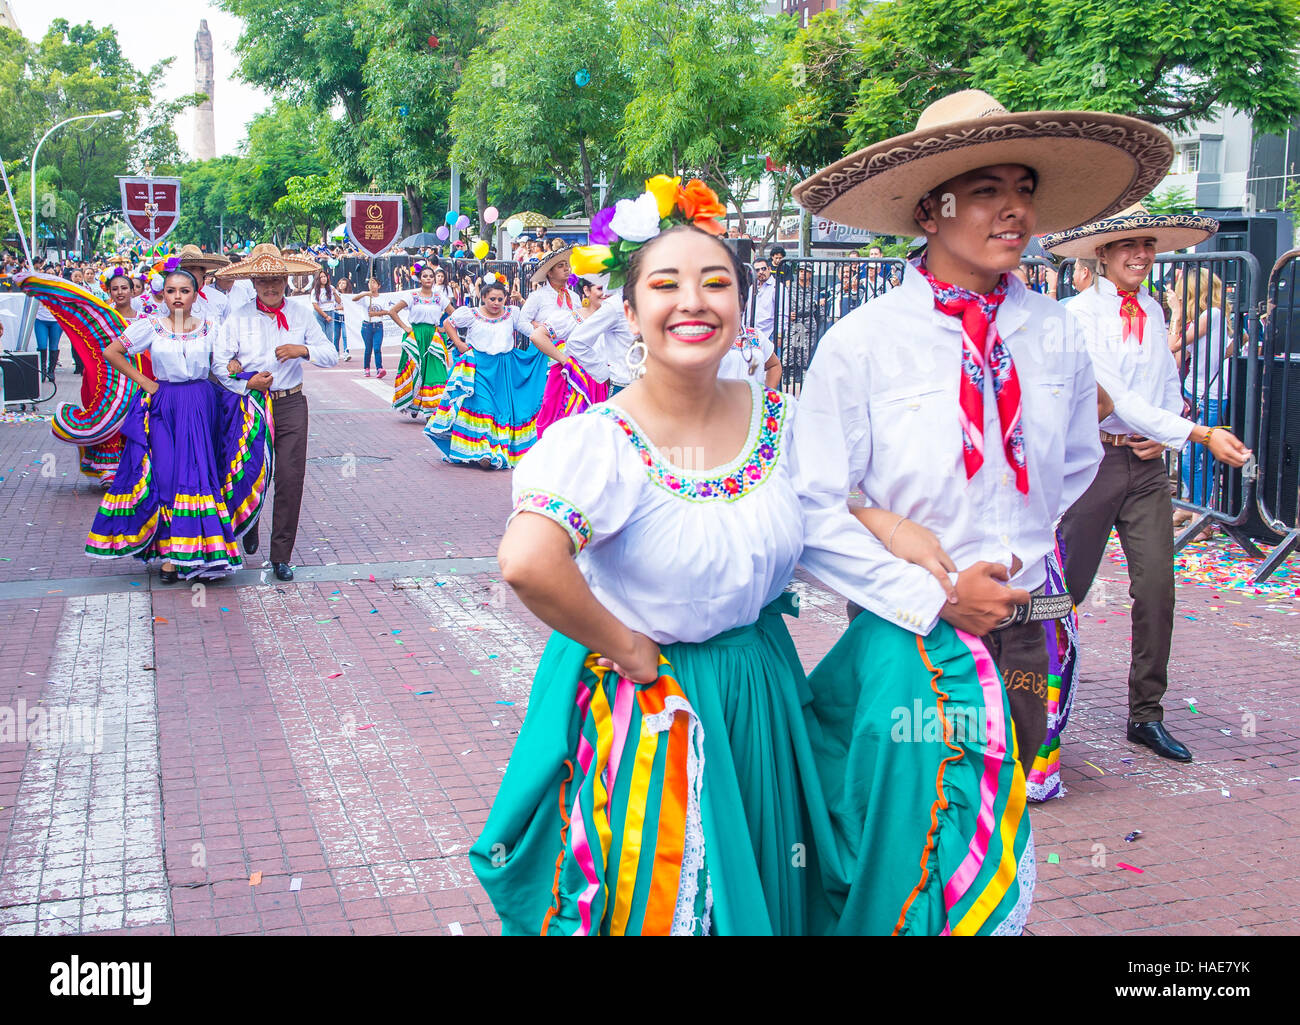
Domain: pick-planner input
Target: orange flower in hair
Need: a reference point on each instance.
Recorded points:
(699, 204)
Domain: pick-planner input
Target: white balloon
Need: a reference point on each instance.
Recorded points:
(515, 226)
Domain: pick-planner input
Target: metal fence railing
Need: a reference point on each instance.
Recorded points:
(811, 295)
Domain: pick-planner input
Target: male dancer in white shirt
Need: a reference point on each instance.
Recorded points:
(960, 399)
(1126, 338)
(271, 336)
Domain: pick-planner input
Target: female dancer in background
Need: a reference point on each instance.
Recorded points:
(425, 362)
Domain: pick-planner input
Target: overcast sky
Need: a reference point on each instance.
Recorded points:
(150, 32)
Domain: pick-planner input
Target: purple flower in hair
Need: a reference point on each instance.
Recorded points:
(600, 232)
(574, 281)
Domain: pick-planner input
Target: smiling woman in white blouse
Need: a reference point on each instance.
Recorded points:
(675, 773)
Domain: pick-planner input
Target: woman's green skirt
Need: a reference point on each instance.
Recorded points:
(917, 754)
(733, 796)
(677, 807)
(421, 370)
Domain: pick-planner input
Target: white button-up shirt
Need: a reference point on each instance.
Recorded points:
(879, 411)
(601, 342)
(252, 338)
(1142, 380)
(212, 303)
(764, 308)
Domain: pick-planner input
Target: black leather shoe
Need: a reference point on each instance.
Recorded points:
(1155, 736)
(250, 541)
(169, 576)
(283, 571)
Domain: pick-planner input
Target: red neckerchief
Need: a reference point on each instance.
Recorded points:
(563, 298)
(203, 295)
(982, 349)
(280, 319)
(1132, 314)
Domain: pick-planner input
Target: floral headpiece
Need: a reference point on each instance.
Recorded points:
(493, 278)
(158, 273)
(420, 266)
(108, 275)
(620, 230)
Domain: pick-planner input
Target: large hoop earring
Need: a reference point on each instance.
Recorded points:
(635, 359)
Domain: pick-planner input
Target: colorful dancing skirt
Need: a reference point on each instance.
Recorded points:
(489, 408)
(914, 741)
(1044, 780)
(678, 807)
(421, 370)
(193, 474)
(569, 390)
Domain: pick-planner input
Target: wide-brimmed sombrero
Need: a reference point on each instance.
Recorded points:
(545, 264)
(1171, 231)
(193, 258)
(1089, 164)
(266, 261)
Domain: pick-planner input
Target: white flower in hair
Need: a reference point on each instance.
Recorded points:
(636, 220)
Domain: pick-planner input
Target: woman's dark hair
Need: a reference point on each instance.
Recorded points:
(496, 286)
(315, 287)
(185, 274)
(636, 262)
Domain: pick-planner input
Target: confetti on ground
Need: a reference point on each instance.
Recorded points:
(1120, 864)
(255, 879)
(1191, 703)
(372, 578)
(1130, 837)
(1053, 859)
(1127, 761)
(475, 672)
(408, 686)
(224, 609)
(421, 693)
(373, 611)
(333, 676)
(1225, 793)
(391, 631)
(1221, 565)
(295, 884)
(367, 726)
(1098, 768)
(455, 929)
(505, 702)
(1226, 733)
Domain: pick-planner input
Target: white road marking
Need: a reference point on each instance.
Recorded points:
(85, 851)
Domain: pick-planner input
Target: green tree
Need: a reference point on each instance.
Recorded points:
(705, 101)
(559, 112)
(281, 145)
(315, 201)
(1170, 201)
(208, 212)
(1168, 62)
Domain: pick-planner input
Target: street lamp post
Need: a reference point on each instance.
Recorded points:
(68, 121)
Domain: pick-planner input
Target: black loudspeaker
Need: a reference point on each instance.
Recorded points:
(21, 372)
(1256, 234)
(743, 247)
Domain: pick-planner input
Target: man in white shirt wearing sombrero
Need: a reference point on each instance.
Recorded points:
(960, 400)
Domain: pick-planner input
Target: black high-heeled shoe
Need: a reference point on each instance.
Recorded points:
(169, 576)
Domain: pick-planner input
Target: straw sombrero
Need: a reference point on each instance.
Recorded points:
(1171, 231)
(266, 261)
(1089, 165)
(545, 264)
(193, 258)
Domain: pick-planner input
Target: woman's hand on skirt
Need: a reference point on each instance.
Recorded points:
(640, 664)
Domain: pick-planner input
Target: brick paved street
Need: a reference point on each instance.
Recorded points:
(339, 739)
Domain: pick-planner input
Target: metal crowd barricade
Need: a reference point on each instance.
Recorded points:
(811, 295)
(1277, 447)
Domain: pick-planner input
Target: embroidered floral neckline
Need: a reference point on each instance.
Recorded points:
(728, 482)
(161, 329)
(505, 315)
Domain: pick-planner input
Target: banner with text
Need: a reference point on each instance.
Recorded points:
(151, 206)
(374, 222)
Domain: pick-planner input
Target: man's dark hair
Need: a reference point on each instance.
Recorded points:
(777, 249)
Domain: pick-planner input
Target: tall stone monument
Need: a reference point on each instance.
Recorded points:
(205, 135)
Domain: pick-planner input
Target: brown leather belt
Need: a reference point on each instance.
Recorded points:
(1118, 440)
(287, 391)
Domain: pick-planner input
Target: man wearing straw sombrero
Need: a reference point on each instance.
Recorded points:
(1126, 333)
(961, 400)
(269, 336)
(550, 288)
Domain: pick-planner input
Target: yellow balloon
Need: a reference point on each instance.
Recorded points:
(480, 250)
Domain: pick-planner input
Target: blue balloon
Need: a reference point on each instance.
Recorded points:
(451, 217)
(582, 76)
